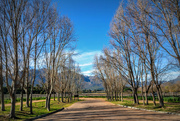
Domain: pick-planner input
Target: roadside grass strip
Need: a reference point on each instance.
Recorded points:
(38, 110)
(169, 108)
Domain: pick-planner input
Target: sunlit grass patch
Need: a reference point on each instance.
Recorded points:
(168, 107)
(38, 109)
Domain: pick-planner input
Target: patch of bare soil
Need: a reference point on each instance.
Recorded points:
(99, 109)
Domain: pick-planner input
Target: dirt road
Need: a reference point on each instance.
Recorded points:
(99, 109)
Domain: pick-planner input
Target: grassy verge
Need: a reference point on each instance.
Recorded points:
(38, 109)
(167, 99)
(169, 107)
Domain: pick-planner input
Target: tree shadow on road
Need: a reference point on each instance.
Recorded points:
(109, 113)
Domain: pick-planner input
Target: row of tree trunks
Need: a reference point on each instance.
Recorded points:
(115, 96)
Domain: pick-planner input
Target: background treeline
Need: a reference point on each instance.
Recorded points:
(145, 46)
(33, 36)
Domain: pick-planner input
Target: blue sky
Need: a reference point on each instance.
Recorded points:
(91, 20)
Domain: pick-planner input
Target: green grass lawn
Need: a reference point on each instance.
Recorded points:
(38, 109)
(169, 107)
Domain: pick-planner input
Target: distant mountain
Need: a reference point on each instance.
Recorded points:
(175, 80)
(38, 78)
(91, 83)
(171, 81)
(86, 78)
(88, 83)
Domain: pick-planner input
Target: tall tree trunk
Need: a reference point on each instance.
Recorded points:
(78, 94)
(21, 105)
(161, 102)
(16, 72)
(122, 94)
(27, 83)
(34, 76)
(58, 97)
(118, 95)
(146, 97)
(13, 101)
(112, 96)
(107, 95)
(62, 96)
(142, 95)
(115, 96)
(137, 100)
(146, 88)
(54, 96)
(134, 96)
(6, 68)
(156, 85)
(1, 82)
(68, 97)
(65, 96)
(154, 101)
(31, 110)
(27, 96)
(71, 97)
(46, 100)
(2, 99)
(24, 71)
(32, 85)
(49, 97)
(22, 91)
(49, 101)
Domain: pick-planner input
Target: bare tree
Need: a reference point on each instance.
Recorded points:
(12, 12)
(40, 26)
(144, 39)
(123, 44)
(107, 70)
(99, 74)
(165, 17)
(59, 40)
(78, 81)
(3, 38)
(116, 61)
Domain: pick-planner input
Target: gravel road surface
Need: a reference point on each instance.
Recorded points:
(98, 109)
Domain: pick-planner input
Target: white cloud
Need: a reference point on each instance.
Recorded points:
(86, 64)
(86, 56)
(171, 75)
(85, 61)
(166, 76)
(88, 73)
